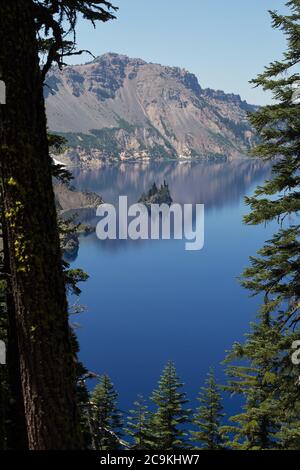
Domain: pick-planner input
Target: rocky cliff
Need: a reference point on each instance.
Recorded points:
(68, 199)
(121, 108)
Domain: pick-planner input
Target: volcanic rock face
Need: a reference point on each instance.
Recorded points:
(68, 199)
(121, 108)
(74, 208)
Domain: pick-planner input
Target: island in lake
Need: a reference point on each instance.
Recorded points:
(157, 195)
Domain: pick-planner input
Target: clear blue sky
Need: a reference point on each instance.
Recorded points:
(224, 42)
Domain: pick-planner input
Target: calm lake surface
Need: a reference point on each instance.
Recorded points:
(151, 301)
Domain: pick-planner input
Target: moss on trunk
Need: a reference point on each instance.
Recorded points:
(41, 319)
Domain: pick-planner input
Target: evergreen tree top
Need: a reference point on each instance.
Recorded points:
(278, 126)
(209, 415)
(170, 414)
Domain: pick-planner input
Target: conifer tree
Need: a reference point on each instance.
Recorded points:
(170, 416)
(39, 338)
(106, 417)
(208, 417)
(271, 385)
(256, 426)
(138, 424)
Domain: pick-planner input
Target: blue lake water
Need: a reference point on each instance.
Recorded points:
(151, 301)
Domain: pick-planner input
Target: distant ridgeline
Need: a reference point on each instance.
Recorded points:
(117, 108)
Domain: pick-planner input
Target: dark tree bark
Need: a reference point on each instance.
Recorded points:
(47, 365)
(16, 432)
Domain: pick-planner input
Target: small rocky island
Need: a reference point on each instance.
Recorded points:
(157, 195)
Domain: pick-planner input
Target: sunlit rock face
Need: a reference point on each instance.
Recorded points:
(121, 108)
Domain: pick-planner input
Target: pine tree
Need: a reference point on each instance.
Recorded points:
(106, 417)
(208, 416)
(170, 416)
(39, 337)
(270, 385)
(15, 423)
(256, 426)
(138, 425)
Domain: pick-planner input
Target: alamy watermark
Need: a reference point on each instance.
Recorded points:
(296, 92)
(296, 353)
(2, 92)
(155, 221)
(2, 353)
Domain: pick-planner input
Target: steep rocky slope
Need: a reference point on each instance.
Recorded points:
(119, 108)
(68, 199)
(76, 207)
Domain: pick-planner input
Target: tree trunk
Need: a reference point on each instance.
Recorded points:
(16, 429)
(47, 364)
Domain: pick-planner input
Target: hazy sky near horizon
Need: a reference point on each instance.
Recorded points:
(224, 43)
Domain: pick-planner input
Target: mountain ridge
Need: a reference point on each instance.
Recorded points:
(116, 107)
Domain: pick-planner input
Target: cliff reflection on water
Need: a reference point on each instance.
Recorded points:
(215, 185)
(212, 184)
